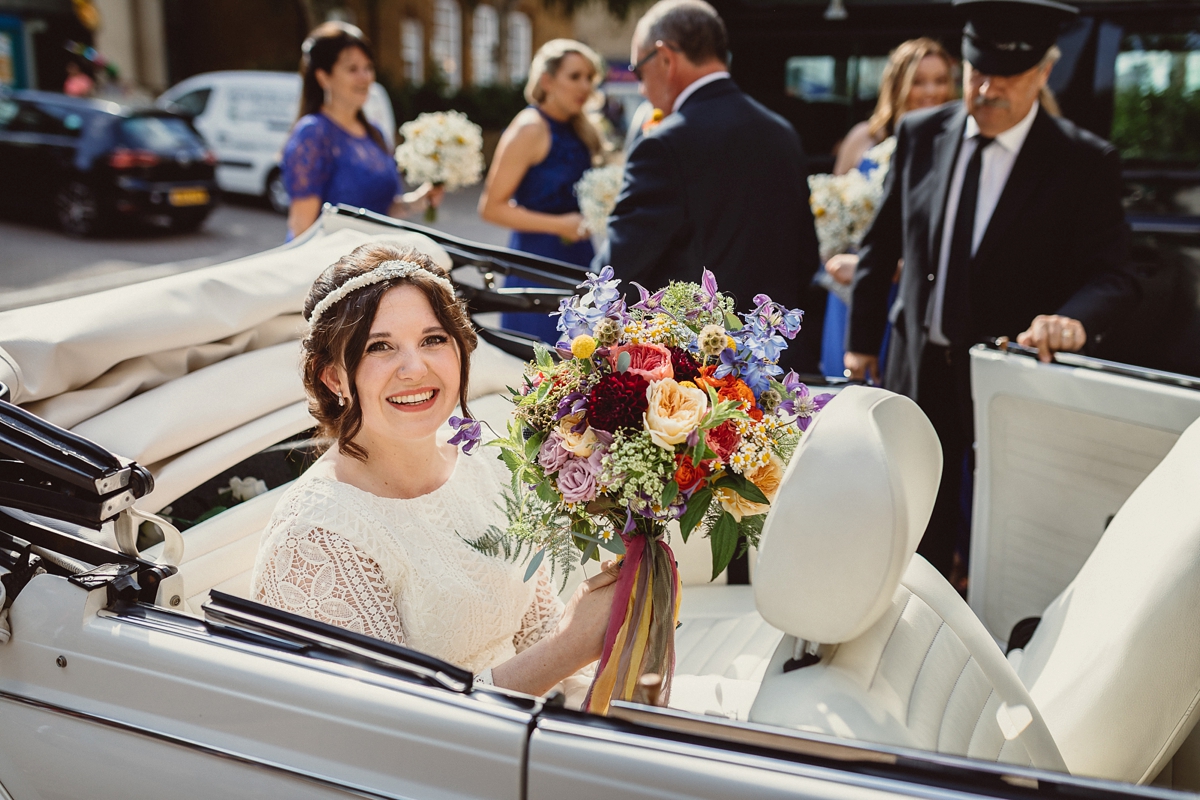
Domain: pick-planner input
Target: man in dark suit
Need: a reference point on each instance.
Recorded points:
(720, 182)
(1009, 223)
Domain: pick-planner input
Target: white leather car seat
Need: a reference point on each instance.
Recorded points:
(1114, 664)
(903, 660)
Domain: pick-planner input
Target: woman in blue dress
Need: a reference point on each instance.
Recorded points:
(542, 154)
(919, 74)
(334, 155)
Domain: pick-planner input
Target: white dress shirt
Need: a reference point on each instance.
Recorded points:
(694, 85)
(995, 167)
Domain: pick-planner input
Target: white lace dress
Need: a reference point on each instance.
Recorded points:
(400, 571)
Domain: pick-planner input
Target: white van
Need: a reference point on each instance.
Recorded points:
(245, 117)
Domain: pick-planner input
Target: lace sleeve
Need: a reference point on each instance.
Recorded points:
(307, 160)
(320, 575)
(543, 614)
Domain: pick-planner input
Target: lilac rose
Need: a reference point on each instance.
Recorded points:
(552, 454)
(577, 479)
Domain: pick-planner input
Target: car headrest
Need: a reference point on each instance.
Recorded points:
(853, 505)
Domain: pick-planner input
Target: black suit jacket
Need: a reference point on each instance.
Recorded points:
(1057, 241)
(720, 184)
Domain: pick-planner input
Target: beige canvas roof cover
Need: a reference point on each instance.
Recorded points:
(72, 359)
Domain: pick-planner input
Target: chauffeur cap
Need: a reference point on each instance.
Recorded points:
(1008, 37)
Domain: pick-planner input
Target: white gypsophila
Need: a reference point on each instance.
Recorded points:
(843, 207)
(443, 148)
(597, 191)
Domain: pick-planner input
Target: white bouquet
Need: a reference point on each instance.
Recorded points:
(444, 148)
(597, 191)
(844, 206)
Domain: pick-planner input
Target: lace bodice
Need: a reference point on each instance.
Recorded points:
(399, 570)
(322, 160)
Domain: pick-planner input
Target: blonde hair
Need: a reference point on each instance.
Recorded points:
(897, 82)
(548, 60)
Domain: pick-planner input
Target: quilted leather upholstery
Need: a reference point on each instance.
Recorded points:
(925, 675)
(1115, 663)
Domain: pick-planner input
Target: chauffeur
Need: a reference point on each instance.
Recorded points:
(1009, 221)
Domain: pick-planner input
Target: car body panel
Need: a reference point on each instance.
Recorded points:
(223, 705)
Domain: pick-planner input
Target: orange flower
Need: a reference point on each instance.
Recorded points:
(689, 475)
(731, 388)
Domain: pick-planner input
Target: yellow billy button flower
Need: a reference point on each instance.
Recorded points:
(582, 346)
(688, 385)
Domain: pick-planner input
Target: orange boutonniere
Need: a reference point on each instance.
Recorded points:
(654, 121)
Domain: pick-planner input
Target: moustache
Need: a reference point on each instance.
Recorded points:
(989, 102)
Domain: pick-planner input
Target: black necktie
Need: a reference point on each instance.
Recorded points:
(956, 300)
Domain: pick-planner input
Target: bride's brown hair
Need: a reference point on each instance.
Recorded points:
(340, 335)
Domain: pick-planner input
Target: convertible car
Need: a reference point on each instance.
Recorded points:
(146, 433)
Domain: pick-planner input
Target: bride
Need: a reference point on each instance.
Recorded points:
(371, 538)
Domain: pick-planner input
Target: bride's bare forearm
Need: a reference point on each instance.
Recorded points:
(537, 670)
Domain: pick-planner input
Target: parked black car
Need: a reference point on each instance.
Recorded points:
(1130, 72)
(92, 163)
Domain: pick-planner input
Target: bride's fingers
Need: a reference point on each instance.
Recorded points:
(609, 572)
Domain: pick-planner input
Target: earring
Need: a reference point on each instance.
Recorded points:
(341, 400)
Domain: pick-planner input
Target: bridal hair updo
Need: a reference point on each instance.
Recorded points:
(340, 335)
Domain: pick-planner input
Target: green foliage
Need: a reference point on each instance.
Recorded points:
(1161, 126)
(490, 107)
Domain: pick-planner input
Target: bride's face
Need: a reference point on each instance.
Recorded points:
(408, 378)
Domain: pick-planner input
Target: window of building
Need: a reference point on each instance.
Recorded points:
(412, 50)
(485, 43)
(520, 46)
(446, 45)
(1156, 101)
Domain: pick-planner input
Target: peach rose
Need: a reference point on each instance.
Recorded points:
(673, 412)
(578, 444)
(767, 478)
(651, 361)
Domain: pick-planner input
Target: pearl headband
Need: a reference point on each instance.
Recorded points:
(384, 272)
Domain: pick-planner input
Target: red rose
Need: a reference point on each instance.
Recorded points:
(723, 440)
(689, 475)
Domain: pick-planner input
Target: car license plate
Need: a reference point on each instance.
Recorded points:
(192, 196)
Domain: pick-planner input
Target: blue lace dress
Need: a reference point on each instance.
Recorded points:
(548, 187)
(322, 160)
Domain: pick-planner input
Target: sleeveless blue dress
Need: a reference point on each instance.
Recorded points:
(549, 187)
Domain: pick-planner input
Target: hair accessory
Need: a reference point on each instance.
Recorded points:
(384, 272)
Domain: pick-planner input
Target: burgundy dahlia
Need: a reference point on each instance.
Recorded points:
(684, 365)
(618, 402)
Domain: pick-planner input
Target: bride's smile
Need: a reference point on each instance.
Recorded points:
(411, 365)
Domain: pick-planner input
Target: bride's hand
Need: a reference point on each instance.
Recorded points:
(585, 619)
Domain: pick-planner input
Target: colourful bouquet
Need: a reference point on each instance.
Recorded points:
(671, 409)
(597, 191)
(444, 148)
(844, 206)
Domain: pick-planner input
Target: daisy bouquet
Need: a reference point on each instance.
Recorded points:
(597, 191)
(444, 148)
(844, 206)
(671, 409)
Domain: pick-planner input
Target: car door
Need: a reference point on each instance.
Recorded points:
(31, 149)
(644, 752)
(1059, 448)
(128, 700)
